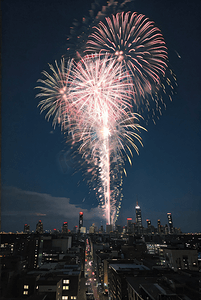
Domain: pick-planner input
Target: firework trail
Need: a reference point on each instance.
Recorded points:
(91, 99)
(136, 42)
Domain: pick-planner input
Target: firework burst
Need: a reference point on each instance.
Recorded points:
(55, 91)
(136, 42)
(81, 28)
(119, 66)
(91, 99)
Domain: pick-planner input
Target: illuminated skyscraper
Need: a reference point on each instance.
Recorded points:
(138, 222)
(138, 215)
(149, 227)
(129, 222)
(80, 220)
(26, 228)
(39, 227)
(159, 226)
(148, 223)
(65, 227)
(171, 229)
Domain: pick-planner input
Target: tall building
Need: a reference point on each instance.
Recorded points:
(39, 227)
(101, 229)
(138, 218)
(129, 222)
(92, 229)
(80, 220)
(75, 229)
(159, 226)
(171, 229)
(148, 223)
(26, 228)
(166, 229)
(109, 228)
(119, 228)
(65, 227)
(83, 230)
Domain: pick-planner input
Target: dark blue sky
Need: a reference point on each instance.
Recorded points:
(165, 177)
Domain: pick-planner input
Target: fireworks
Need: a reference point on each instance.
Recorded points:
(136, 42)
(80, 29)
(54, 90)
(120, 65)
(91, 99)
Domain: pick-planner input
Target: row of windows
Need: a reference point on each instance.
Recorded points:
(70, 297)
(66, 287)
(66, 281)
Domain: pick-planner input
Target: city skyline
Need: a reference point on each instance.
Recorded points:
(135, 223)
(165, 177)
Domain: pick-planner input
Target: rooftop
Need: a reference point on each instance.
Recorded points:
(125, 267)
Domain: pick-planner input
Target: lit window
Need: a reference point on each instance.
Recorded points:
(66, 287)
(37, 287)
(25, 293)
(26, 287)
(66, 281)
(64, 297)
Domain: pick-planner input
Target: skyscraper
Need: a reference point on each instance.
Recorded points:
(39, 227)
(148, 223)
(138, 215)
(159, 226)
(65, 227)
(109, 228)
(171, 229)
(166, 229)
(80, 220)
(26, 228)
(138, 222)
(129, 222)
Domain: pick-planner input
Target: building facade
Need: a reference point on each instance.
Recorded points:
(171, 228)
(80, 220)
(138, 223)
(39, 227)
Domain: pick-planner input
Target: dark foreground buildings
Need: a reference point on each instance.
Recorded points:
(131, 263)
(41, 266)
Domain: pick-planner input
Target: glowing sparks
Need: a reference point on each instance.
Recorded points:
(105, 132)
(95, 97)
(136, 42)
(92, 101)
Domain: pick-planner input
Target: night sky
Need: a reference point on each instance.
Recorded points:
(165, 177)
